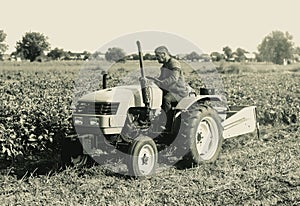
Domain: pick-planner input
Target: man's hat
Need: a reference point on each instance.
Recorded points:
(161, 49)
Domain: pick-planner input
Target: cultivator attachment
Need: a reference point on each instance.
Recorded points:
(240, 120)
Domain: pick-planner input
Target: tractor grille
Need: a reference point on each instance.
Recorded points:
(98, 108)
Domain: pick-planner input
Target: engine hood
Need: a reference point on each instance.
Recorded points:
(115, 94)
(125, 97)
(130, 94)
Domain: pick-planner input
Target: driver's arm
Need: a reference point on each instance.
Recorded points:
(172, 78)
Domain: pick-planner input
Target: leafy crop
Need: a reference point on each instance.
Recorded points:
(276, 95)
(36, 102)
(35, 110)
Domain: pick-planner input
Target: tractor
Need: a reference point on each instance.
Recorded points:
(127, 121)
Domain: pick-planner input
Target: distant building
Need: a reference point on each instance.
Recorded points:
(6, 57)
(233, 58)
(205, 58)
(250, 57)
(181, 56)
(14, 58)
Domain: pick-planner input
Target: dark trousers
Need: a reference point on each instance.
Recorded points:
(168, 101)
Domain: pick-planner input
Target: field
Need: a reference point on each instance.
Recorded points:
(35, 115)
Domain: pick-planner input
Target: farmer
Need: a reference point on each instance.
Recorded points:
(171, 81)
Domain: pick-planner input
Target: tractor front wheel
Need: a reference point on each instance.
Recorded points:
(143, 157)
(72, 154)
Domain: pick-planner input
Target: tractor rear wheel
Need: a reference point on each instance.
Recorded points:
(143, 157)
(204, 134)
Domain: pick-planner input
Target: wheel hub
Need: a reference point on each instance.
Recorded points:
(207, 138)
(146, 159)
(79, 161)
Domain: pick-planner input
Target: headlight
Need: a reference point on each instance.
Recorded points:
(78, 120)
(94, 121)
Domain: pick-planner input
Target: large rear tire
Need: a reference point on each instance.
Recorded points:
(204, 134)
(143, 157)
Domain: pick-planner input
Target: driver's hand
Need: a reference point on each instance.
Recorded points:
(154, 79)
(142, 79)
(148, 77)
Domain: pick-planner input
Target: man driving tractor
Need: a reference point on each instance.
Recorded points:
(171, 81)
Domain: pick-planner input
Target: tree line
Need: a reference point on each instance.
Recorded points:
(277, 47)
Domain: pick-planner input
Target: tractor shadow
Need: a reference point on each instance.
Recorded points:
(50, 164)
(34, 166)
(161, 168)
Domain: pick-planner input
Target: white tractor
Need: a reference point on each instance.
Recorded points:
(127, 119)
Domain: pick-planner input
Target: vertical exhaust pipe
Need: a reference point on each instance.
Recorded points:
(104, 80)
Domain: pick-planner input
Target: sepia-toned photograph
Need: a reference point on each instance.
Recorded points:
(149, 103)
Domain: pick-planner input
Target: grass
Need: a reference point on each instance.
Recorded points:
(250, 171)
(224, 67)
(254, 67)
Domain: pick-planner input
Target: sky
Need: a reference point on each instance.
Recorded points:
(208, 25)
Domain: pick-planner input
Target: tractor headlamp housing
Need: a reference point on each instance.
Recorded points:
(78, 120)
(94, 121)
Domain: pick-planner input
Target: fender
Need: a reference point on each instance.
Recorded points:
(187, 102)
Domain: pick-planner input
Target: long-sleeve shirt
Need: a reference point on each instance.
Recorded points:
(172, 79)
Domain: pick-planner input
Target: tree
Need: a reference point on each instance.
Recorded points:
(32, 45)
(86, 55)
(97, 56)
(193, 56)
(216, 56)
(148, 56)
(297, 50)
(3, 46)
(136, 57)
(56, 54)
(276, 47)
(240, 54)
(114, 54)
(297, 53)
(227, 52)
